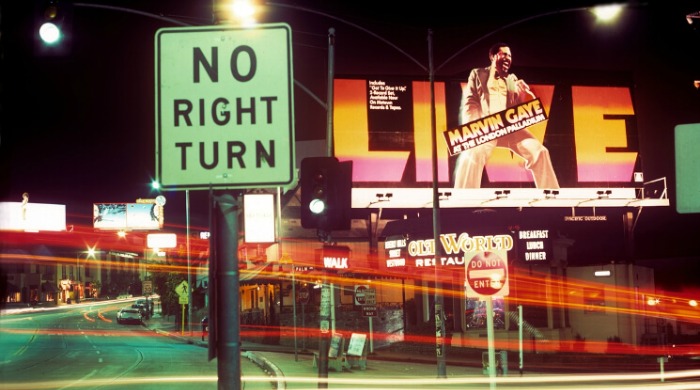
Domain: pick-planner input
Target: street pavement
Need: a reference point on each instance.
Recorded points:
(265, 366)
(288, 368)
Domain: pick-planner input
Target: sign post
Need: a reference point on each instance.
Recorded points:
(369, 310)
(224, 121)
(303, 299)
(487, 275)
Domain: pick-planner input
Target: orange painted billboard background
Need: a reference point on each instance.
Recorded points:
(383, 125)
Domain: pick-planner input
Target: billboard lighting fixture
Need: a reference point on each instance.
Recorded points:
(604, 194)
(549, 194)
(502, 194)
(603, 273)
(384, 197)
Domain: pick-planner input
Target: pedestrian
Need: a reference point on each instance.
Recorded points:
(205, 326)
(490, 90)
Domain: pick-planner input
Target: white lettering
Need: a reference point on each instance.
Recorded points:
(529, 256)
(530, 245)
(335, 262)
(527, 234)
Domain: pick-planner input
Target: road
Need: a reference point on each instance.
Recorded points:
(82, 346)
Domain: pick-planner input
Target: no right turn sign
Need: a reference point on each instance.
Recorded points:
(224, 107)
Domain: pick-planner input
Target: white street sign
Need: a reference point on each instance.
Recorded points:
(224, 107)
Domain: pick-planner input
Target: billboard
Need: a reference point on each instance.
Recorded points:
(127, 216)
(28, 216)
(582, 122)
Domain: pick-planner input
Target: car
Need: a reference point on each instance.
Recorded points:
(129, 315)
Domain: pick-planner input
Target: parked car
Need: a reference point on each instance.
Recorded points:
(129, 315)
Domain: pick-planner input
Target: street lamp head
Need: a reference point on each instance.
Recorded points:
(240, 12)
(607, 13)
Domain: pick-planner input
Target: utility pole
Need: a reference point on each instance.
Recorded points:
(439, 309)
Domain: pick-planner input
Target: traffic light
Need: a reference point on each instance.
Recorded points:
(52, 27)
(326, 193)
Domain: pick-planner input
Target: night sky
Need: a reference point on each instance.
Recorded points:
(79, 129)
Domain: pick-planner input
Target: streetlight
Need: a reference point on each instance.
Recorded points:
(89, 253)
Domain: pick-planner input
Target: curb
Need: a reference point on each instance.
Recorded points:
(269, 367)
(265, 364)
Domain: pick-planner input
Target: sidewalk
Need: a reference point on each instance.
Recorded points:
(417, 361)
(291, 369)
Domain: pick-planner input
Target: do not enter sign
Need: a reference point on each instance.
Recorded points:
(487, 274)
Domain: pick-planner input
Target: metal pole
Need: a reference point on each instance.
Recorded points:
(327, 304)
(294, 310)
(329, 98)
(289, 261)
(228, 293)
(490, 341)
(324, 334)
(332, 288)
(189, 273)
(371, 336)
(520, 336)
(439, 315)
(77, 270)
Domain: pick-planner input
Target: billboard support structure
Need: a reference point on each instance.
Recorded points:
(439, 299)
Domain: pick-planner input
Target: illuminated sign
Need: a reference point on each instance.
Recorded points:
(259, 218)
(395, 247)
(454, 246)
(335, 256)
(534, 245)
(161, 240)
(590, 130)
(29, 216)
(420, 253)
(127, 216)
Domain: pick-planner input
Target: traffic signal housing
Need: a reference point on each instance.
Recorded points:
(53, 21)
(326, 193)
